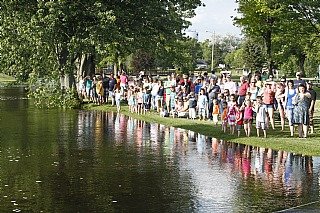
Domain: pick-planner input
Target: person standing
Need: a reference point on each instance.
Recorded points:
(268, 101)
(202, 105)
(111, 85)
(213, 91)
(298, 80)
(289, 93)
(301, 110)
(261, 117)
(123, 82)
(313, 98)
(242, 89)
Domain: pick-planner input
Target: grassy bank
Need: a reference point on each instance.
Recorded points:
(276, 139)
(6, 80)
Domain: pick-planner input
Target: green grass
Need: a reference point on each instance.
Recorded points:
(276, 139)
(6, 78)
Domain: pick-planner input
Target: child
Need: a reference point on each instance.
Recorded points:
(239, 119)
(202, 104)
(215, 112)
(192, 106)
(146, 100)
(173, 99)
(247, 117)
(231, 116)
(139, 101)
(232, 113)
(117, 97)
(130, 98)
(224, 117)
(261, 117)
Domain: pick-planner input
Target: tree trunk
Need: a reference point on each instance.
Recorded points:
(268, 40)
(86, 65)
(301, 59)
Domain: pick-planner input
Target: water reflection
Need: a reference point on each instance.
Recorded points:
(226, 175)
(80, 161)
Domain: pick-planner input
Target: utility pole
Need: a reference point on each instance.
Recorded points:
(212, 50)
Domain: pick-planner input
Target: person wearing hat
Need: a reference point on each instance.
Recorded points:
(313, 98)
(298, 80)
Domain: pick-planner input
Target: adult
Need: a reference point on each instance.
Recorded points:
(99, 90)
(279, 95)
(88, 86)
(197, 86)
(123, 82)
(186, 82)
(253, 90)
(268, 101)
(301, 110)
(105, 84)
(112, 85)
(213, 90)
(230, 85)
(242, 89)
(289, 93)
(298, 80)
(167, 86)
(313, 97)
(154, 92)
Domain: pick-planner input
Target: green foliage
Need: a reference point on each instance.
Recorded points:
(253, 54)
(48, 38)
(289, 67)
(142, 61)
(46, 93)
(235, 59)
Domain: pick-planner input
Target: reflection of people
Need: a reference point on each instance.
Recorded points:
(301, 110)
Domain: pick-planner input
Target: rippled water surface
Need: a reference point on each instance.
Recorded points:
(91, 161)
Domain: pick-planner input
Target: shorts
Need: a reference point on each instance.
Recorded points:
(202, 112)
(192, 113)
(311, 123)
(260, 125)
(247, 121)
(232, 120)
(147, 106)
(269, 106)
(239, 127)
(215, 118)
(111, 93)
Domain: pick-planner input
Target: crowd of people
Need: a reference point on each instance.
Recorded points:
(234, 105)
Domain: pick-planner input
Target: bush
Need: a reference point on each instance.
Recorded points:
(46, 93)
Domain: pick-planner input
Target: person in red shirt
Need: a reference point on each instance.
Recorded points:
(242, 91)
(268, 101)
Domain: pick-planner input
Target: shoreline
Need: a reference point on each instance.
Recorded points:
(276, 139)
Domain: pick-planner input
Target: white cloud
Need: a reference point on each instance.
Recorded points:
(215, 16)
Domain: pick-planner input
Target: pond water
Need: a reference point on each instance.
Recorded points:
(92, 161)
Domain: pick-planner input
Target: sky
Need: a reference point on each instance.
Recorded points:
(215, 16)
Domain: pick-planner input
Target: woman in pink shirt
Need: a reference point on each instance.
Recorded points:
(268, 101)
(123, 82)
